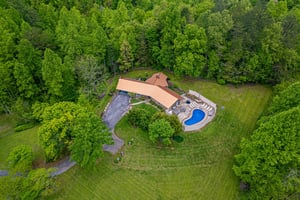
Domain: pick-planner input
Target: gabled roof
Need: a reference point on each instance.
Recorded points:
(158, 79)
(162, 95)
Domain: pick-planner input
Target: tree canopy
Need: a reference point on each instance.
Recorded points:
(232, 42)
(20, 159)
(70, 128)
(36, 184)
(161, 131)
(269, 160)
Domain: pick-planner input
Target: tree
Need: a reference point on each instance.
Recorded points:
(213, 64)
(8, 90)
(139, 117)
(218, 25)
(286, 99)
(271, 53)
(126, 58)
(55, 131)
(36, 184)
(143, 53)
(69, 128)
(172, 119)
(70, 32)
(20, 158)
(89, 136)
(277, 9)
(171, 23)
(95, 41)
(269, 157)
(190, 49)
(9, 33)
(27, 69)
(161, 130)
(52, 72)
(48, 16)
(91, 74)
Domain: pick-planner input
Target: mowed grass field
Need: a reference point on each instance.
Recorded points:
(11, 139)
(200, 167)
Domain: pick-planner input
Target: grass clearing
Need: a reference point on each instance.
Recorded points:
(198, 168)
(28, 137)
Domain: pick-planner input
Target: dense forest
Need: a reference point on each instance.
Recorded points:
(56, 50)
(269, 159)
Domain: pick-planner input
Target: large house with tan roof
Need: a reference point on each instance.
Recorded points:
(193, 110)
(155, 87)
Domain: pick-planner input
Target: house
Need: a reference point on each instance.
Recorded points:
(154, 87)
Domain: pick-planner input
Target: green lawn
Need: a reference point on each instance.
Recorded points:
(7, 123)
(29, 137)
(198, 168)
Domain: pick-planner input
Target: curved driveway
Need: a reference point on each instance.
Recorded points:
(115, 111)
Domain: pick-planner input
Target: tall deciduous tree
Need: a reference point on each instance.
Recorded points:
(89, 136)
(190, 49)
(55, 132)
(171, 23)
(218, 25)
(70, 128)
(9, 34)
(269, 157)
(70, 31)
(52, 73)
(91, 74)
(27, 69)
(126, 58)
(285, 100)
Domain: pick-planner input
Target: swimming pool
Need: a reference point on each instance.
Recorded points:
(197, 116)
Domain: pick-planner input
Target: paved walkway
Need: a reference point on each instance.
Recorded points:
(140, 102)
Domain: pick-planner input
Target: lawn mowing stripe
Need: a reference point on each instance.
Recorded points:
(198, 168)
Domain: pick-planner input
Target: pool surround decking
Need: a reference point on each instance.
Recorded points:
(198, 102)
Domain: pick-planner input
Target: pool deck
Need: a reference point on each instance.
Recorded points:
(196, 102)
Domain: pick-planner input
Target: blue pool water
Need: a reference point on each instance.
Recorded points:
(198, 115)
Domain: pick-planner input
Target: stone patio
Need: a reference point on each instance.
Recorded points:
(193, 100)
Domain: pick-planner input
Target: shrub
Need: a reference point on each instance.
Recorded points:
(139, 117)
(161, 130)
(24, 127)
(20, 158)
(172, 119)
(221, 81)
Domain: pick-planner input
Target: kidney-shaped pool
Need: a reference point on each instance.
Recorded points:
(197, 116)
